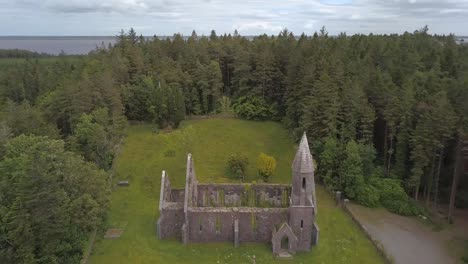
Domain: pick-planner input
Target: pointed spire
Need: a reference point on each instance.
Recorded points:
(303, 161)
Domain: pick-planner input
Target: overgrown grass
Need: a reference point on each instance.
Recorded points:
(211, 141)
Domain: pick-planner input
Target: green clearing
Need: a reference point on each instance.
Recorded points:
(135, 208)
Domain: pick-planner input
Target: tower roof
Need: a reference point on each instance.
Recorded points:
(303, 161)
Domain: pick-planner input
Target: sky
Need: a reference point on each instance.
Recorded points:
(166, 17)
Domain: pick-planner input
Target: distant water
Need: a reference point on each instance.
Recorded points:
(79, 45)
(72, 45)
(54, 45)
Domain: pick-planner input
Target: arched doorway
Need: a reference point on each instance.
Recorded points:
(285, 243)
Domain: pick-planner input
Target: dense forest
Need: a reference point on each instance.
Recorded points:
(17, 53)
(386, 116)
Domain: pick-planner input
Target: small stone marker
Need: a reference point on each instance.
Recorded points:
(123, 183)
(113, 233)
(338, 198)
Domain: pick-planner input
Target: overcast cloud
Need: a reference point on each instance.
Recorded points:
(165, 17)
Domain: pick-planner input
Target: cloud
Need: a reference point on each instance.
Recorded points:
(88, 6)
(249, 17)
(261, 26)
(310, 24)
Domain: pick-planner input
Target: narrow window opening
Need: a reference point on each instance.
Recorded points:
(303, 183)
(253, 219)
(218, 225)
(200, 224)
(302, 223)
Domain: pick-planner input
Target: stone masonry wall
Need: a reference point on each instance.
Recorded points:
(170, 222)
(250, 195)
(301, 222)
(177, 196)
(217, 224)
(171, 213)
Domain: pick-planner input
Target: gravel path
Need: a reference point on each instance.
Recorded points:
(405, 239)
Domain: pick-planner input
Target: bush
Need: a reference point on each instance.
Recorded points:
(393, 196)
(266, 166)
(237, 164)
(254, 108)
(225, 104)
(368, 196)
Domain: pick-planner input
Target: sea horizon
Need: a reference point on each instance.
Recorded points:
(76, 45)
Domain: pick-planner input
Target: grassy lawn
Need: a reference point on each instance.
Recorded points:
(135, 208)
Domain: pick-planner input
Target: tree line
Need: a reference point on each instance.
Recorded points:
(384, 115)
(400, 96)
(19, 53)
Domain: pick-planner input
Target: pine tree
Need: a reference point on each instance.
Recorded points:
(319, 118)
(40, 183)
(328, 165)
(351, 170)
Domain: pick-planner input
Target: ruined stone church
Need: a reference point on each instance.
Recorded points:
(281, 214)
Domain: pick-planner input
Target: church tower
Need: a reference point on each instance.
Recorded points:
(303, 206)
(303, 184)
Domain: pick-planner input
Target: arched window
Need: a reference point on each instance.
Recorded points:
(302, 223)
(303, 183)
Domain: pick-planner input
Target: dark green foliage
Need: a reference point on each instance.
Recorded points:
(17, 53)
(368, 154)
(368, 195)
(137, 100)
(381, 111)
(50, 199)
(24, 119)
(237, 164)
(351, 174)
(352, 170)
(253, 108)
(94, 138)
(393, 197)
(329, 162)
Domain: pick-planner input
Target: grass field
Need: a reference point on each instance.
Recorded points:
(135, 208)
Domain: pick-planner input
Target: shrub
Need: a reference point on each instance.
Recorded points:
(254, 108)
(225, 104)
(393, 196)
(266, 166)
(368, 196)
(237, 163)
